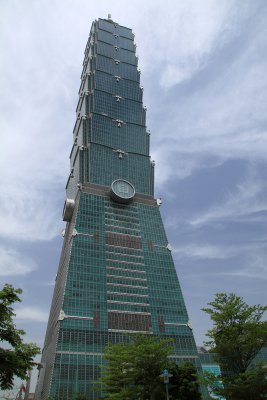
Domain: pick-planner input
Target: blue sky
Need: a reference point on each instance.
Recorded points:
(203, 69)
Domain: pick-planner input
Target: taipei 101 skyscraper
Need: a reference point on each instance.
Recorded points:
(116, 274)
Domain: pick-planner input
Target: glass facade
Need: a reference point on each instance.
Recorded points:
(116, 274)
(209, 364)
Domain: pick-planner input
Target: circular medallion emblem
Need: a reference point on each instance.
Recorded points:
(122, 191)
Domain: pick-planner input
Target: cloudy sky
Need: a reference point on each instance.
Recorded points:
(204, 66)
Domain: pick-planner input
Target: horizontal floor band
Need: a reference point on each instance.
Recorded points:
(128, 303)
(129, 331)
(139, 271)
(129, 312)
(131, 286)
(80, 353)
(126, 277)
(128, 294)
(125, 262)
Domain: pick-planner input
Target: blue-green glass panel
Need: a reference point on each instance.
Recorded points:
(121, 69)
(115, 40)
(105, 167)
(116, 53)
(115, 85)
(74, 374)
(115, 28)
(123, 109)
(129, 137)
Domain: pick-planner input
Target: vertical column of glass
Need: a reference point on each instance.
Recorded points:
(118, 144)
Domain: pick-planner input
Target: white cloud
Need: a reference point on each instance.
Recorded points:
(224, 121)
(28, 212)
(13, 263)
(50, 283)
(179, 165)
(175, 74)
(254, 251)
(204, 251)
(249, 262)
(31, 314)
(247, 199)
(180, 37)
(251, 271)
(41, 73)
(35, 83)
(220, 115)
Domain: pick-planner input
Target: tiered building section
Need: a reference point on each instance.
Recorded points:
(116, 273)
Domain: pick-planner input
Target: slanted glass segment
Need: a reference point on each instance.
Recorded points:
(114, 84)
(116, 273)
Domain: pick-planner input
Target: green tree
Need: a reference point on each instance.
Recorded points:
(133, 369)
(238, 334)
(16, 357)
(248, 385)
(184, 382)
(80, 396)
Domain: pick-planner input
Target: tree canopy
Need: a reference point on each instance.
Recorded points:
(184, 382)
(133, 368)
(133, 371)
(237, 336)
(16, 357)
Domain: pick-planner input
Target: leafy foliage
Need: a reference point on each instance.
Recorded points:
(133, 368)
(16, 357)
(133, 371)
(184, 382)
(80, 396)
(248, 385)
(238, 334)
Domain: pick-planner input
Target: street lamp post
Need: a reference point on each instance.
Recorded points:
(166, 376)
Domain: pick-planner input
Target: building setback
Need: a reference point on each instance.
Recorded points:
(116, 273)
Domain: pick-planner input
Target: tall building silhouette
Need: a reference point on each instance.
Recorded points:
(116, 273)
